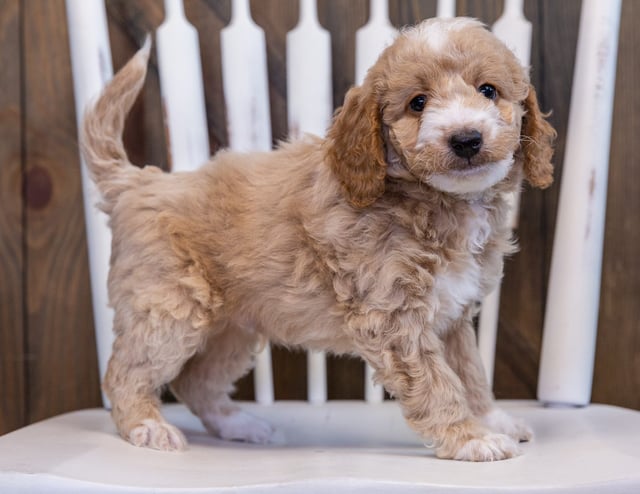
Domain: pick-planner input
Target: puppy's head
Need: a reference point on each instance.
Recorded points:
(448, 105)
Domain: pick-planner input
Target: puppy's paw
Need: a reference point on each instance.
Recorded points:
(238, 426)
(157, 435)
(501, 422)
(491, 447)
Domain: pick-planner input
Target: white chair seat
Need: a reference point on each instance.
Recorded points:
(336, 447)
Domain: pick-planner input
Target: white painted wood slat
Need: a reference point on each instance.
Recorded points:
(571, 319)
(446, 8)
(92, 69)
(182, 91)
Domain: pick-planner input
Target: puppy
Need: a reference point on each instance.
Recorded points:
(377, 241)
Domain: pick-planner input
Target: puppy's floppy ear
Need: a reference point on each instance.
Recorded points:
(537, 143)
(356, 148)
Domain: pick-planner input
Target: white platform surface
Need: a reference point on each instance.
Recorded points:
(337, 447)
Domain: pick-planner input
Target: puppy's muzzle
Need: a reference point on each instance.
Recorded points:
(466, 144)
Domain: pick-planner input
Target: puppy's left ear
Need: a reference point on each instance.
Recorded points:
(356, 148)
(537, 143)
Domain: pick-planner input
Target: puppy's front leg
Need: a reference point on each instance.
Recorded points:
(410, 361)
(461, 352)
(463, 357)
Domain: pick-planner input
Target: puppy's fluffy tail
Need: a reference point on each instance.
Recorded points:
(101, 138)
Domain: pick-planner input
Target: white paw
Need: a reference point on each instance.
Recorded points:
(501, 422)
(157, 435)
(491, 447)
(238, 426)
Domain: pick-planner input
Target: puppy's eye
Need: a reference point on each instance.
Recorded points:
(488, 91)
(417, 104)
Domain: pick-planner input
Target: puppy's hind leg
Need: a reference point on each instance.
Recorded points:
(206, 381)
(144, 359)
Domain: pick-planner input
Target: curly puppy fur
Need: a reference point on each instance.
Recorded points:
(377, 241)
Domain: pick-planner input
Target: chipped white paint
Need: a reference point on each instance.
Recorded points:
(309, 93)
(245, 81)
(515, 30)
(571, 320)
(91, 68)
(182, 90)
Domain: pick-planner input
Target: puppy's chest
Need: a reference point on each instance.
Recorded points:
(460, 278)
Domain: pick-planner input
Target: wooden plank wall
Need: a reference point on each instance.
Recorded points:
(12, 349)
(47, 356)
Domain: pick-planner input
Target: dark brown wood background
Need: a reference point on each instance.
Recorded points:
(47, 355)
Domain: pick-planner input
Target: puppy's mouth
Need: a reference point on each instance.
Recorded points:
(471, 175)
(469, 165)
(473, 165)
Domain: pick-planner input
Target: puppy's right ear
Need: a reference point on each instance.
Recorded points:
(537, 143)
(356, 148)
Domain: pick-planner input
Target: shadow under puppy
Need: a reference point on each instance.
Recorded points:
(377, 241)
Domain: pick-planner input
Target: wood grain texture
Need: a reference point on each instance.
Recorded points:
(406, 12)
(13, 379)
(61, 345)
(486, 10)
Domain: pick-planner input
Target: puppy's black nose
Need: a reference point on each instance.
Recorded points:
(466, 144)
